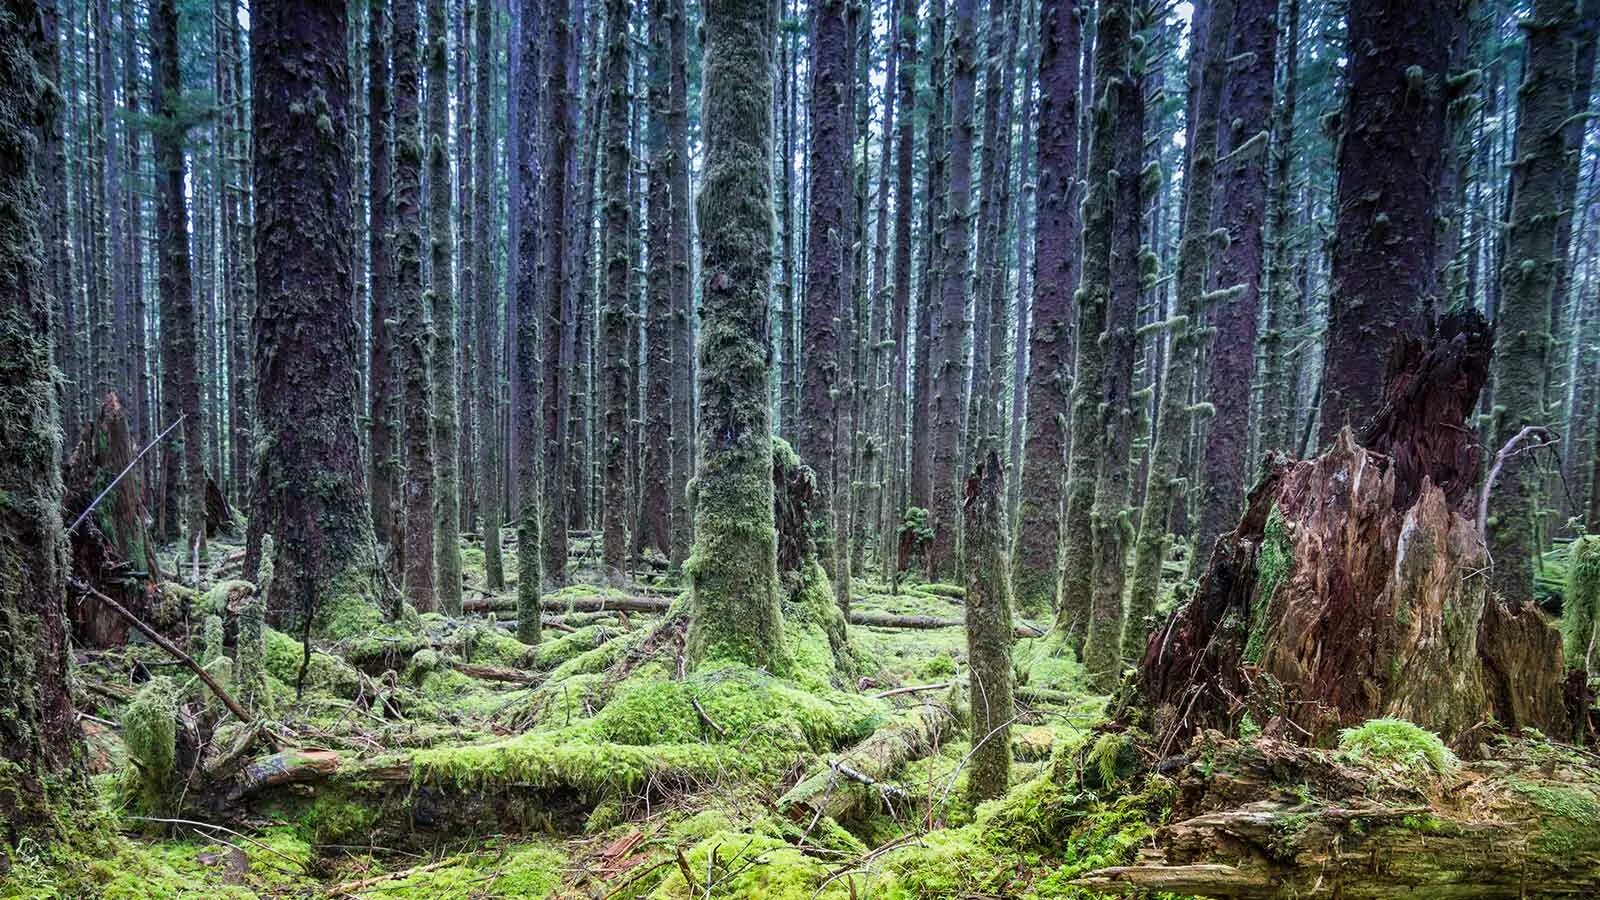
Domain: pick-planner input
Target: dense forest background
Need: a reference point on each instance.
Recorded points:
(1243, 353)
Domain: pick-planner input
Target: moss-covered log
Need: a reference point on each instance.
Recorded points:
(851, 784)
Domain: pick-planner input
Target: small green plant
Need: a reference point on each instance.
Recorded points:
(1399, 744)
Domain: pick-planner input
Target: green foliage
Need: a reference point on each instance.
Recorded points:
(150, 730)
(1273, 566)
(325, 673)
(1570, 820)
(731, 865)
(1398, 745)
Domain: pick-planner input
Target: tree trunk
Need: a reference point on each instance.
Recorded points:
(1242, 189)
(39, 737)
(557, 296)
(988, 630)
(1352, 588)
(526, 410)
(1276, 424)
(1384, 249)
(446, 516)
(617, 317)
(907, 64)
(937, 179)
(487, 300)
(948, 354)
(655, 512)
(182, 464)
(683, 349)
(1051, 317)
(733, 578)
(309, 476)
(1529, 272)
(383, 414)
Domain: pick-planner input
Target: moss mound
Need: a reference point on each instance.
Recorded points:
(1400, 746)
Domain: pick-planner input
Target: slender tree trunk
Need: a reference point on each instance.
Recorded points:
(1113, 262)
(937, 181)
(788, 339)
(1384, 249)
(441, 299)
(1276, 426)
(558, 297)
(1056, 234)
(488, 296)
(617, 318)
(683, 348)
(733, 576)
(1528, 274)
(526, 408)
(899, 360)
(948, 354)
(989, 636)
(468, 395)
(994, 165)
(383, 412)
(655, 512)
(1027, 202)
(179, 357)
(138, 388)
(1242, 192)
(39, 738)
(309, 481)
(826, 308)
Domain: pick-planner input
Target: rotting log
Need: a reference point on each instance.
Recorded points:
(850, 783)
(1242, 826)
(596, 603)
(1355, 587)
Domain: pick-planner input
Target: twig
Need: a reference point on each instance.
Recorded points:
(1506, 452)
(160, 641)
(120, 475)
(706, 717)
(912, 689)
(243, 837)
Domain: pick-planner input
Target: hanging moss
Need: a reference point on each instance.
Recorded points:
(1582, 604)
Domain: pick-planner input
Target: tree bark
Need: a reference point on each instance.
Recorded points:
(487, 299)
(1528, 275)
(733, 575)
(1276, 424)
(937, 180)
(617, 316)
(683, 348)
(383, 415)
(526, 410)
(1384, 249)
(988, 630)
(446, 516)
(309, 476)
(655, 512)
(1056, 234)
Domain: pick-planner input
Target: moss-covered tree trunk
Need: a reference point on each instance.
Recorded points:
(616, 362)
(1275, 427)
(992, 261)
(907, 65)
(825, 312)
(1164, 478)
(1242, 192)
(309, 472)
(937, 181)
(948, 355)
(1056, 233)
(487, 300)
(446, 515)
(733, 572)
(1122, 103)
(39, 738)
(683, 351)
(384, 470)
(1528, 274)
(526, 436)
(988, 630)
(415, 339)
(182, 466)
(1384, 250)
(655, 512)
(554, 290)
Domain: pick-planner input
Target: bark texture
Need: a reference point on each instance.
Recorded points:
(733, 571)
(488, 303)
(384, 470)
(442, 303)
(524, 324)
(988, 630)
(616, 362)
(309, 471)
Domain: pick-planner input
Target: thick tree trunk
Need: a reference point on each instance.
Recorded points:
(39, 738)
(1529, 272)
(1242, 189)
(383, 415)
(1384, 250)
(1056, 234)
(555, 289)
(616, 314)
(1352, 587)
(309, 473)
(733, 579)
(683, 348)
(655, 512)
(948, 354)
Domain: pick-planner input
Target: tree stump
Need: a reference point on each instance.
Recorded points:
(1356, 585)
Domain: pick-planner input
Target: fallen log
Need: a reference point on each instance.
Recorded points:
(596, 603)
(851, 781)
(495, 673)
(928, 623)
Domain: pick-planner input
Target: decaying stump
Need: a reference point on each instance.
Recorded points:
(1355, 585)
(111, 549)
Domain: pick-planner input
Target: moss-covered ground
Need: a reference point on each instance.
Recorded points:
(598, 764)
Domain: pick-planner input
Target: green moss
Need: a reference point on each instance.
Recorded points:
(1569, 815)
(1582, 603)
(1399, 745)
(522, 870)
(730, 864)
(1273, 565)
(150, 730)
(555, 652)
(325, 673)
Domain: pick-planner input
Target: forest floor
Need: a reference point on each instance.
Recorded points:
(442, 758)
